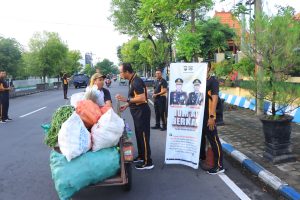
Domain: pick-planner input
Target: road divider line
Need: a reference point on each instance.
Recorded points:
(33, 112)
(151, 102)
(233, 187)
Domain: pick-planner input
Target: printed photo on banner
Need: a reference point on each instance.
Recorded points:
(185, 113)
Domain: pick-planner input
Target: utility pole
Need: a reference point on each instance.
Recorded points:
(258, 62)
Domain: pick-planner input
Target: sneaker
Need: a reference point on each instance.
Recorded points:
(8, 119)
(216, 170)
(142, 166)
(2, 122)
(163, 129)
(138, 160)
(155, 127)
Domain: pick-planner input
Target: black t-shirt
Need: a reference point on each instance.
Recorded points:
(159, 84)
(4, 83)
(107, 96)
(212, 88)
(136, 87)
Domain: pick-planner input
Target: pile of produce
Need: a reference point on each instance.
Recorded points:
(58, 118)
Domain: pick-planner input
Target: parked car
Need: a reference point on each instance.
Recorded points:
(80, 80)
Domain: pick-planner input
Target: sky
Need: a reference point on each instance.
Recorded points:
(82, 24)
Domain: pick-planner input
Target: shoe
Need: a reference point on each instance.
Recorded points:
(8, 119)
(142, 166)
(138, 160)
(216, 170)
(163, 129)
(155, 127)
(2, 122)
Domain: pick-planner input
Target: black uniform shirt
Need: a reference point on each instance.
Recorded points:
(136, 87)
(212, 88)
(107, 96)
(4, 83)
(159, 84)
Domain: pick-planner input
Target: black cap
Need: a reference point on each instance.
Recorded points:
(196, 81)
(178, 81)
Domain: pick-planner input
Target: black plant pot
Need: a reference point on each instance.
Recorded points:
(277, 139)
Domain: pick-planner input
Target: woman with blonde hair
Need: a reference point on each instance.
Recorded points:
(96, 92)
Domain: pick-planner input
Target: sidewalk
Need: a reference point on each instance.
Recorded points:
(243, 130)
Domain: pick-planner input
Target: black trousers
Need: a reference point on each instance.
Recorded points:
(215, 144)
(65, 87)
(160, 107)
(141, 118)
(4, 105)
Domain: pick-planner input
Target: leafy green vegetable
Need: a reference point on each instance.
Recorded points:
(58, 118)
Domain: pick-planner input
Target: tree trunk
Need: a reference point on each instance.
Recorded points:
(193, 25)
(259, 68)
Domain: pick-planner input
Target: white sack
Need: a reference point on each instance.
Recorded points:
(97, 96)
(76, 98)
(73, 138)
(108, 130)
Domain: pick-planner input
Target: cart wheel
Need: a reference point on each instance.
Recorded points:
(128, 171)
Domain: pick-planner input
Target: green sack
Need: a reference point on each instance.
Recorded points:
(89, 168)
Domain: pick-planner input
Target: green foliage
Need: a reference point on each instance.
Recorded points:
(47, 55)
(70, 63)
(210, 36)
(275, 51)
(224, 68)
(188, 43)
(89, 70)
(10, 56)
(106, 67)
(246, 67)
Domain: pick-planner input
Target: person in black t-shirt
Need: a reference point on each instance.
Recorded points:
(209, 129)
(137, 101)
(160, 101)
(4, 98)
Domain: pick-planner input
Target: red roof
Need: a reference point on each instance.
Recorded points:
(228, 18)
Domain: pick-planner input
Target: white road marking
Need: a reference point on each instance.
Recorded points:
(33, 112)
(151, 102)
(233, 187)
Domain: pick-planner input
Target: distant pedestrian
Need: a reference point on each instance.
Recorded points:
(4, 97)
(209, 129)
(160, 101)
(65, 82)
(137, 101)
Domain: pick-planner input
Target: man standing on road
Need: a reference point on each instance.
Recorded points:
(160, 101)
(209, 124)
(137, 101)
(65, 81)
(4, 96)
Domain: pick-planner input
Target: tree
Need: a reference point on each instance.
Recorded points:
(89, 70)
(10, 55)
(279, 57)
(71, 63)
(210, 36)
(47, 54)
(106, 67)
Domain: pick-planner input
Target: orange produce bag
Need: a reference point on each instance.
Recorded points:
(89, 112)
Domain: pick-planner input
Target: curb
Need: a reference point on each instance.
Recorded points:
(267, 177)
(250, 104)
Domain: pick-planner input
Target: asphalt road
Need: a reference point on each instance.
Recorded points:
(25, 172)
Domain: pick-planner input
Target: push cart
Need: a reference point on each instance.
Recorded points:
(124, 177)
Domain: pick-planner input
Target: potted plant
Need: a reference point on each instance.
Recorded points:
(275, 49)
